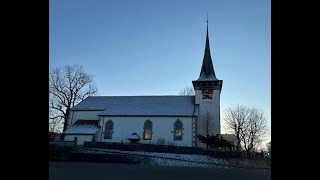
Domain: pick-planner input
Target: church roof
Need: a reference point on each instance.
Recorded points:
(139, 105)
(207, 70)
(83, 127)
(228, 137)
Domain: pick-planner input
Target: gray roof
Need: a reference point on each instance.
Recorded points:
(139, 105)
(133, 136)
(207, 78)
(228, 137)
(83, 127)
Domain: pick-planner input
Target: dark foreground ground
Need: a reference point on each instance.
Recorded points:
(108, 171)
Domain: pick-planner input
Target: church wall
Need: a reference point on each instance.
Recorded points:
(84, 115)
(198, 96)
(213, 108)
(80, 138)
(162, 128)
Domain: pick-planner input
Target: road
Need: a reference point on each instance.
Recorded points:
(108, 171)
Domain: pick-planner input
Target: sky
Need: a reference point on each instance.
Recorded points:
(156, 47)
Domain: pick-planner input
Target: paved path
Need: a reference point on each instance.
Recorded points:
(108, 171)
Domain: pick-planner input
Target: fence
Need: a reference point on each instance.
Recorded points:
(63, 143)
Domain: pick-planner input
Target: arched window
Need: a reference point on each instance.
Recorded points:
(108, 130)
(178, 130)
(147, 130)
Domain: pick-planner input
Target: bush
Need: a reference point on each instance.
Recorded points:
(161, 141)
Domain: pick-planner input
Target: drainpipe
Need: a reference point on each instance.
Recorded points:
(102, 128)
(194, 109)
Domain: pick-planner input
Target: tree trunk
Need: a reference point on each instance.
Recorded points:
(65, 124)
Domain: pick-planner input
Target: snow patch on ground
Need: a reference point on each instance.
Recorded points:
(182, 160)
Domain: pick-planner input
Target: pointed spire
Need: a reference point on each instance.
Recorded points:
(207, 19)
(207, 66)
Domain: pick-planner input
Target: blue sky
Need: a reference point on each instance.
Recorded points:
(153, 47)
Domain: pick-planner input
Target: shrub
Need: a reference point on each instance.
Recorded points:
(161, 141)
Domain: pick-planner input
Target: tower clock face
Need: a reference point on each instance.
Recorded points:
(207, 94)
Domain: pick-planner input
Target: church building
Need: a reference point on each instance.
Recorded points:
(170, 120)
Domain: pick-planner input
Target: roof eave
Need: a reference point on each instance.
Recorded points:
(189, 115)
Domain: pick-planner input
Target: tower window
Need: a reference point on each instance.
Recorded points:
(108, 129)
(147, 130)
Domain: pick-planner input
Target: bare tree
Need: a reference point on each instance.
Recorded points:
(55, 121)
(67, 87)
(206, 124)
(235, 117)
(269, 148)
(255, 129)
(187, 91)
(248, 124)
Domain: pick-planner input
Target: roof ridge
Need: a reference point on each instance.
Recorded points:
(139, 105)
(148, 96)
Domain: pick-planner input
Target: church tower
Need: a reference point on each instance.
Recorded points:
(207, 95)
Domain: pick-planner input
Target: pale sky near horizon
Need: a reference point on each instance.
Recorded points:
(153, 47)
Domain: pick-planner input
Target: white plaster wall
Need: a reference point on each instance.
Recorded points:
(198, 96)
(162, 128)
(80, 138)
(213, 107)
(84, 115)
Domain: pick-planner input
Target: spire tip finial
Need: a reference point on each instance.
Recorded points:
(207, 18)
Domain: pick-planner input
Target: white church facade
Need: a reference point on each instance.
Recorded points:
(171, 120)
